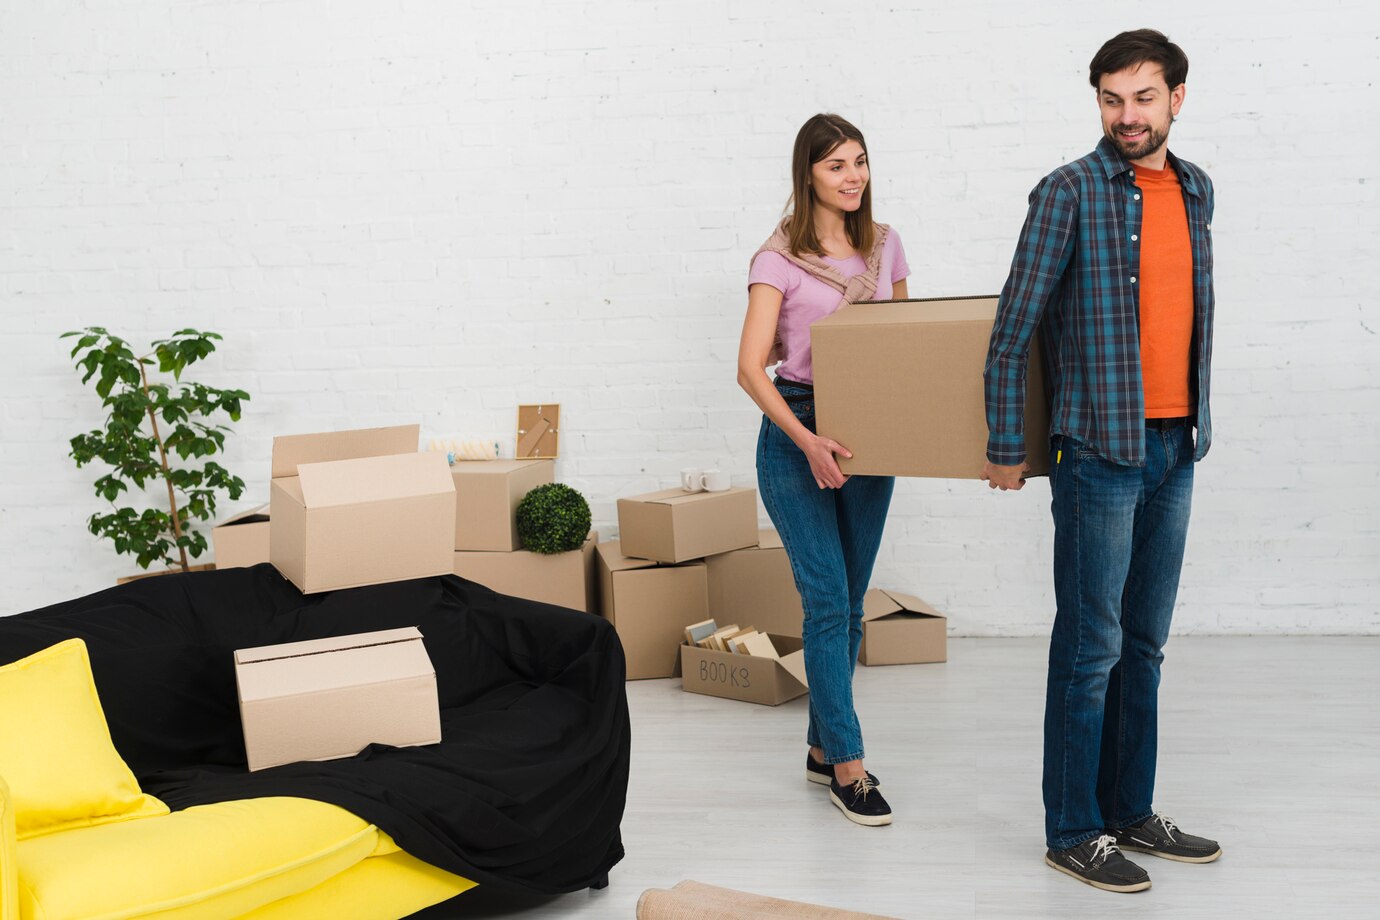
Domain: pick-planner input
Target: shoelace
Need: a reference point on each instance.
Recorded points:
(1169, 826)
(861, 787)
(1103, 847)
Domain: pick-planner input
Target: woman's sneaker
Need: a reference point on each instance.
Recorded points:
(823, 773)
(1099, 863)
(1158, 836)
(860, 802)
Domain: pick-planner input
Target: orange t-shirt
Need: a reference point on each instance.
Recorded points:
(1166, 295)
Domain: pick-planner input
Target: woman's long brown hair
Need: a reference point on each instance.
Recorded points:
(819, 137)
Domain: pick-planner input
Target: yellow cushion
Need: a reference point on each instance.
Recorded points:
(383, 887)
(209, 861)
(55, 747)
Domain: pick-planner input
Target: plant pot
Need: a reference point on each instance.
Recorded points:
(194, 568)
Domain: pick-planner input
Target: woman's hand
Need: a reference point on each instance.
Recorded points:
(820, 452)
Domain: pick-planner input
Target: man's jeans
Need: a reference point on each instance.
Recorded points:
(1118, 546)
(831, 537)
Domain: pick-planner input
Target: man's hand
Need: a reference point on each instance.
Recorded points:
(1004, 477)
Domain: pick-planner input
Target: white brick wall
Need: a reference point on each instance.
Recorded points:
(430, 210)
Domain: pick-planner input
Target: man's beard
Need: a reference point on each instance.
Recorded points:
(1154, 140)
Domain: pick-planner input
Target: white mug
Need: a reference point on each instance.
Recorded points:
(692, 480)
(715, 481)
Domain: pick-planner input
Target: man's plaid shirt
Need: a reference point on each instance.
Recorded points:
(1075, 278)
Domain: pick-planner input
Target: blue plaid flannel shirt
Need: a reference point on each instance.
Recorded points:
(1074, 277)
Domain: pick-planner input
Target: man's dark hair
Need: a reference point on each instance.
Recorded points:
(1131, 49)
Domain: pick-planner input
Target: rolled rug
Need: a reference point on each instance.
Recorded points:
(690, 900)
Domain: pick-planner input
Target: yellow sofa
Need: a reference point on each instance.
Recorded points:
(266, 858)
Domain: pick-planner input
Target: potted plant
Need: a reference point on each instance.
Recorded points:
(155, 431)
(553, 518)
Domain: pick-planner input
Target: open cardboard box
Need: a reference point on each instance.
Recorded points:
(753, 679)
(352, 508)
(649, 606)
(328, 698)
(901, 629)
(241, 540)
(899, 383)
(675, 526)
(563, 579)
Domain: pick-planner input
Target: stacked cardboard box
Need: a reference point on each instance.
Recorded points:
(488, 549)
(672, 538)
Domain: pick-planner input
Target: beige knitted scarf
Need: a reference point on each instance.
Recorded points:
(860, 287)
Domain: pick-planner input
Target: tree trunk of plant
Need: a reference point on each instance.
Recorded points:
(167, 475)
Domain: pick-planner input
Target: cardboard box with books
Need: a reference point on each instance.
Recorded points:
(899, 383)
(327, 698)
(674, 525)
(564, 579)
(649, 605)
(742, 663)
(352, 508)
(901, 629)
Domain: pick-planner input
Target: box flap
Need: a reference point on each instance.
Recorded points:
(679, 496)
(886, 312)
(371, 479)
(794, 664)
(768, 539)
(878, 603)
(291, 451)
(911, 603)
(328, 644)
(252, 516)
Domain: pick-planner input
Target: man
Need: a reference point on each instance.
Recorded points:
(1114, 268)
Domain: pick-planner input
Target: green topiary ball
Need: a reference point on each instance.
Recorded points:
(553, 518)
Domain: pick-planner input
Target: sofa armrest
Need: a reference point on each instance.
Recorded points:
(9, 857)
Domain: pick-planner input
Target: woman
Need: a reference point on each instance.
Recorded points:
(827, 252)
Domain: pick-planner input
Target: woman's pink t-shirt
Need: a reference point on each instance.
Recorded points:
(805, 299)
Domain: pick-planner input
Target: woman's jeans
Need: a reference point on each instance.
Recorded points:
(831, 537)
(1118, 546)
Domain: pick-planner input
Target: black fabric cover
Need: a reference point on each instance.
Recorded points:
(527, 787)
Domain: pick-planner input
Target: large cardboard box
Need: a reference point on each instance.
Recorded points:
(329, 698)
(649, 606)
(563, 579)
(487, 493)
(353, 508)
(901, 629)
(674, 525)
(754, 587)
(899, 383)
(242, 539)
(770, 681)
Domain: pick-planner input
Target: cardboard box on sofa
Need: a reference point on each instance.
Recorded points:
(487, 493)
(754, 587)
(674, 525)
(649, 606)
(753, 679)
(563, 579)
(352, 508)
(901, 629)
(899, 383)
(329, 698)
(241, 540)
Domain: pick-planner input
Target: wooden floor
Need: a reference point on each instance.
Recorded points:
(1270, 745)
